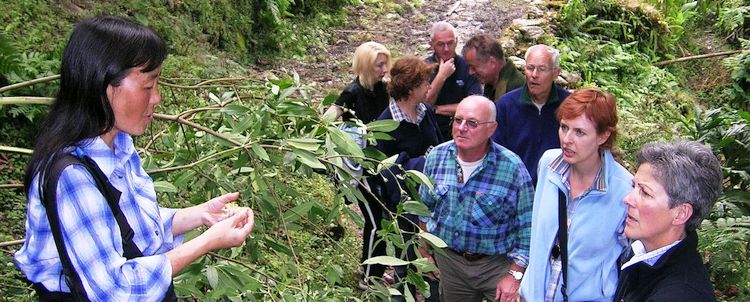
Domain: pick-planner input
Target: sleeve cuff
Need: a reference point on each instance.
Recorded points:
(519, 259)
(170, 240)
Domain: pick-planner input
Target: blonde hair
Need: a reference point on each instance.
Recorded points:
(364, 61)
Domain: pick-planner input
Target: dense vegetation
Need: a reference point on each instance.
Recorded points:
(223, 130)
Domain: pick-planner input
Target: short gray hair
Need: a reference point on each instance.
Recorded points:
(441, 26)
(689, 172)
(551, 50)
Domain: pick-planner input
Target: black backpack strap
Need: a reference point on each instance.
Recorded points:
(49, 200)
(112, 195)
(562, 239)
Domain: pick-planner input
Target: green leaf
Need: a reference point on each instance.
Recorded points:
(424, 266)
(433, 240)
(344, 141)
(260, 152)
(308, 159)
(416, 208)
(213, 276)
(386, 260)
(235, 110)
(383, 125)
(333, 275)
(309, 144)
(278, 247)
(420, 178)
(163, 186)
(298, 212)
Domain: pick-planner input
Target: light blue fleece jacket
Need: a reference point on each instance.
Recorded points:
(593, 244)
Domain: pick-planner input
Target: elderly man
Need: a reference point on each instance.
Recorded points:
(488, 63)
(452, 82)
(526, 116)
(480, 206)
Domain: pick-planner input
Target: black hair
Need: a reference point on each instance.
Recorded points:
(101, 51)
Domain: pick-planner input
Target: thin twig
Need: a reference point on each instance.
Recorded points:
(29, 83)
(196, 126)
(704, 56)
(26, 100)
(16, 150)
(242, 264)
(12, 242)
(11, 186)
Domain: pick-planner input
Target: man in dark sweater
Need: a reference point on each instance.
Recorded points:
(451, 82)
(674, 189)
(526, 122)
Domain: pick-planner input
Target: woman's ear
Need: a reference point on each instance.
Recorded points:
(683, 212)
(602, 138)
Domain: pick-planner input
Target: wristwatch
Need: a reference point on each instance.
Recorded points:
(516, 274)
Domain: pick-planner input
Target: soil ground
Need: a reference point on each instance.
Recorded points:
(404, 29)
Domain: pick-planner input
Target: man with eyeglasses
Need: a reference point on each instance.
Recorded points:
(526, 116)
(488, 63)
(480, 206)
(452, 82)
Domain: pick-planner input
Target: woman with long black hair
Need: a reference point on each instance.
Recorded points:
(94, 230)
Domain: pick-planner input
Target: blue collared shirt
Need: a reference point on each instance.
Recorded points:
(90, 232)
(490, 213)
(399, 115)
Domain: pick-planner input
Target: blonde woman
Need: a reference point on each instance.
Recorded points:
(366, 96)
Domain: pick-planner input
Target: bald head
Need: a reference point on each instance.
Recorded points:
(485, 107)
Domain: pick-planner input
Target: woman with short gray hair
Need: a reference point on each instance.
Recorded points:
(674, 189)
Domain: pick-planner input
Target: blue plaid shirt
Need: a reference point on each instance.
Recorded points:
(91, 234)
(490, 213)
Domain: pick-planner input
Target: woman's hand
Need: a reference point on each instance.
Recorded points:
(232, 230)
(216, 209)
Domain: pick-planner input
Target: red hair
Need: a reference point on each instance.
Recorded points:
(600, 107)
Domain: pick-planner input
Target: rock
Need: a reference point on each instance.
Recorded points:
(520, 63)
(570, 78)
(526, 22)
(534, 12)
(423, 47)
(532, 33)
(508, 44)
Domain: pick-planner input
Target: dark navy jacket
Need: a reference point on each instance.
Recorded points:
(458, 86)
(524, 129)
(410, 142)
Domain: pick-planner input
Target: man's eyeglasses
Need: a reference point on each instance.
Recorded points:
(472, 124)
(444, 44)
(540, 68)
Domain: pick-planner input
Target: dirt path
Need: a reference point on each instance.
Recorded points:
(404, 29)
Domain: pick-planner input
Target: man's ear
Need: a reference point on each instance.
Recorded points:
(682, 212)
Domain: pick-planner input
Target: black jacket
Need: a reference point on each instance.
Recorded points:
(367, 105)
(679, 275)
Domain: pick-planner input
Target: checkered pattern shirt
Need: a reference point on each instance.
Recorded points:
(399, 115)
(490, 213)
(90, 232)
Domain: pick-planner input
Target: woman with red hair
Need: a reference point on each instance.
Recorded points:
(578, 196)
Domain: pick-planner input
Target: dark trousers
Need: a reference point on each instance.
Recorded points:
(373, 213)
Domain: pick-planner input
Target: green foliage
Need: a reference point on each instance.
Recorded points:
(725, 235)
(9, 56)
(734, 20)
(642, 25)
(739, 92)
